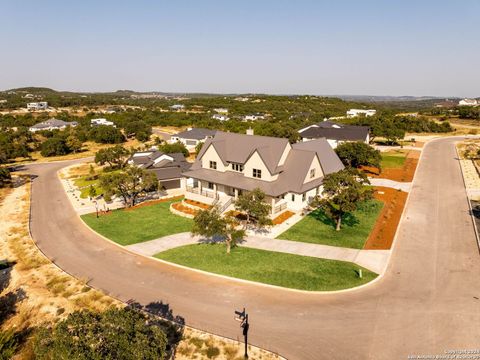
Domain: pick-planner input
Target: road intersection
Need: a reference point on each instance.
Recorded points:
(426, 303)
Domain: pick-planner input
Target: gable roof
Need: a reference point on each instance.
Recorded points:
(196, 134)
(335, 131)
(329, 161)
(291, 176)
(53, 123)
(238, 148)
(171, 167)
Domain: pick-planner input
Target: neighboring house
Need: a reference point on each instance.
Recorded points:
(192, 136)
(253, 117)
(221, 110)
(42, 105)
(220, 117)
(177, 107)
(167, 167)
(335, 133)
(290, 175)
(357, 112)
(105, 122)
(468, 102)
(52, 124)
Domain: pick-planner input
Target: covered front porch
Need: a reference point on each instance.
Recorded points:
(224, 196)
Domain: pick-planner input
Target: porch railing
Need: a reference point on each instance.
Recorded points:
(279, 208)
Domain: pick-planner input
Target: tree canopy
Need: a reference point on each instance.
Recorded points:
(253, 205)
(116, 334)
(211, 223)
(129, 184)
(356, 154)
(114, 156)
(342, 192)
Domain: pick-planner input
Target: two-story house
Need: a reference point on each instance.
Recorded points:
(290, 175)
(335, 133)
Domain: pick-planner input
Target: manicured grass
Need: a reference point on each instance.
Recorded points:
(393, 160)
(319, 229)
(287, 270)
(144, 223)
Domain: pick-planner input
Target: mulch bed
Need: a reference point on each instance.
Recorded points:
(282, 217)
(184, 209)
(403, 174)
(197, 204)
(153, 202)
(382, 235)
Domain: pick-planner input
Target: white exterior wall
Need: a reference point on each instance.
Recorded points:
(281, 162)
(256, 162)
(212, 155)
(318, 170)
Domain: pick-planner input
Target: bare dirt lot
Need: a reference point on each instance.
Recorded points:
(382, 235)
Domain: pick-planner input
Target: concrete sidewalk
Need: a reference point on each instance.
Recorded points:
(404, 186)
(374, 260)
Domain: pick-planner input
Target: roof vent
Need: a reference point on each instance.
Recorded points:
(250, 131)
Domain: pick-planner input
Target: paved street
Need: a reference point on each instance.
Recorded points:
(427, 302)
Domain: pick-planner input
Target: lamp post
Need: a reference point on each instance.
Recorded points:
(242, 317)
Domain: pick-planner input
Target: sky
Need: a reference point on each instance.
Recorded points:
(318, 47)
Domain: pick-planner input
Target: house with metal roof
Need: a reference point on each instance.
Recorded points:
(335, 133)
(192, 136)
(52, 124)
(291, 175)
(167, 167)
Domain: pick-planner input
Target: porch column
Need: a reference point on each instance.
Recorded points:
(199, 187)
(273, 205)
(215, 189)
(236, 193)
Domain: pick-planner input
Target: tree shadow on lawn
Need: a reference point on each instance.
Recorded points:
(348, 219)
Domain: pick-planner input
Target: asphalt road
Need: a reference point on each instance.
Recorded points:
(427, 303)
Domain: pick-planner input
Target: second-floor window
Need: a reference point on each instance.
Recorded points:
(237, 167)
(312, 173)
(213, 165)
(257, 173)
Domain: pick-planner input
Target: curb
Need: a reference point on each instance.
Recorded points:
(468, 199)
(112, 296)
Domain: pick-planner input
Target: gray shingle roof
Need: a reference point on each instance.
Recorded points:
(232, 147)
(334, 131)
(165, 169)
(291, 176)
(196, 134)
(53, 123)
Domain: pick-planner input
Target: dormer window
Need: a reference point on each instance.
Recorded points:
(213, 165)
(312, 173)
(257, 173)
(237, 167)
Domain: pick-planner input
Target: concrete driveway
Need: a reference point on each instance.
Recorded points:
(427, 302)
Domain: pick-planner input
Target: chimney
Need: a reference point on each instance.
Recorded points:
(249, 131)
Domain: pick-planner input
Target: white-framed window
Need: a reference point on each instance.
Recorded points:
(237, 167)
(257, 173)
(304, 196)
(210, 186)
(312, 173)
(293, 197)
(213, 165)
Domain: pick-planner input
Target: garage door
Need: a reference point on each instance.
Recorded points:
(171, 184)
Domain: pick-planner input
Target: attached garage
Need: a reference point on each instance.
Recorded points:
(170, 184)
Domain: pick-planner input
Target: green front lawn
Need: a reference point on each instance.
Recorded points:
(393, 159)
(144, 223)
(287, 270)
(318, 229)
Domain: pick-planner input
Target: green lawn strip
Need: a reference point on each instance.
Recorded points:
(275, 268)
(319, 229)
(393, 160)
(138, 225)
